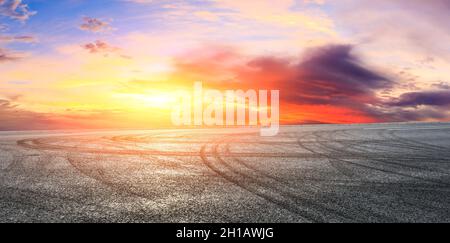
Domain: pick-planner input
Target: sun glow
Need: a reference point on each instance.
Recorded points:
(154, 99)
(61, 70)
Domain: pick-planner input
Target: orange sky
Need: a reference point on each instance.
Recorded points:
(102, 64)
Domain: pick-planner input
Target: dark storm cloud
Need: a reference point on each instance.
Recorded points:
(331, 75)
(326, 75)
(337, 65)
(428, 98)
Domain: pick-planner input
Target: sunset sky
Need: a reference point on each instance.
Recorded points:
(116, 63)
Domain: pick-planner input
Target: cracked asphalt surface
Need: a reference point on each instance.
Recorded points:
(313, 173)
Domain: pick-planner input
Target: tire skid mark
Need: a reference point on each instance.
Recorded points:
(390, 135)
(424, 166)
(419, 143)
(40, 145)
(363, 148)
(388, 161)
(383, 141)
(389, 143)
(99, 177)
(385, 159)
(20, 196)
(333, 161)
(230, 178)
(308, 190)
(417, 204)
(365, 166)
(291, 200)
(336, 150)
(230, 166)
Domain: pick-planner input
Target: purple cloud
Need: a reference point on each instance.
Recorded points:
(428, 98)
(15, 9)
(6, 55)
(21, 38)
(100, 46)
(326, 75)
(3, 27)
(95, 25)
(441, 85)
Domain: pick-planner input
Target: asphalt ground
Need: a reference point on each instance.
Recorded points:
(311, 173)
